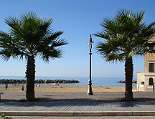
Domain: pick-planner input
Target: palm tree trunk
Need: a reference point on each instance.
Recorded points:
(30, 75)
(128, 79)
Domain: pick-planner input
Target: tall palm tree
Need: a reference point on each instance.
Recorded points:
(124, 37)
(30, 36)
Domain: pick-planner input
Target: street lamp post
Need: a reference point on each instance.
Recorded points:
(90, 92)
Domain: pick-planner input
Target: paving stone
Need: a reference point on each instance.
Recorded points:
(105, 117)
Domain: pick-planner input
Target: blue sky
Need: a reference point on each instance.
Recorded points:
(77, 18)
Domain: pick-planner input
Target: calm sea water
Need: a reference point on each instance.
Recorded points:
(98, 81)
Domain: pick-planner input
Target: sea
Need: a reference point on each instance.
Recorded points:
(96, 81)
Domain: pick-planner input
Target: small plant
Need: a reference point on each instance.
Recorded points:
(2, 116)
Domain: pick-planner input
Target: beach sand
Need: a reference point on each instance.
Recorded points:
(62, 88)
(61, 91)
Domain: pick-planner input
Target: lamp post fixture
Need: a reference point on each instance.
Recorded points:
(90, 92)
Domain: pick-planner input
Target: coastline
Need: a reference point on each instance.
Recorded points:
(96, 81)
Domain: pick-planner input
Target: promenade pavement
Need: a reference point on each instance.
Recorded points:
(105, 117)
(78, 102)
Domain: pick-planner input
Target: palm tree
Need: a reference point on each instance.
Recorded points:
(124, 37)
(30, 36)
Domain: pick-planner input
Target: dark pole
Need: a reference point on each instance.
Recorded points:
(153, 86)
(90, 92)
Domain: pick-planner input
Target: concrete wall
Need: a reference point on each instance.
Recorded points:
(140, 79)
(148, 58)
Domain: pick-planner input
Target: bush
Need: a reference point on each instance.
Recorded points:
(2, 116)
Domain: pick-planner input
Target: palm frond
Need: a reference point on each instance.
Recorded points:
(30, 35)
(47, 54)
(124, 36)
(58, 43)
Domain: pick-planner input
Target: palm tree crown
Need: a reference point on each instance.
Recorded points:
(29, 36)
(124, 36)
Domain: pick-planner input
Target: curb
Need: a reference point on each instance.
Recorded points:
(78, 113)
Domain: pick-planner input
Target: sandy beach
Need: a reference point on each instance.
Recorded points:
(63, 88)
(52, 91)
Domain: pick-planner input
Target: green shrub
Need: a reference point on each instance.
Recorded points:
(2, 116)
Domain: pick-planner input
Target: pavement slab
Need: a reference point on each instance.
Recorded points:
(103, 117)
